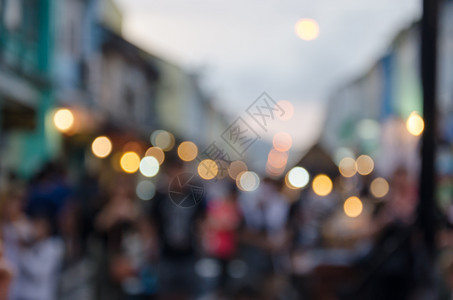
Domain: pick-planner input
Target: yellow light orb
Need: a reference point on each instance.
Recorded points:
(187, 151)
(322, 185)
(208, 169)
(130, 162)
(157, 153)
(379, 187)
(415, 124)
(63, 119)
(282, 141)
(347, 167)
(297, 178)
(101, 146)
(364, 164)
(307, 29)
(353, 207)
(236, 167)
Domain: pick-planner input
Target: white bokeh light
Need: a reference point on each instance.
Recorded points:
(298, 177)
(149, 166)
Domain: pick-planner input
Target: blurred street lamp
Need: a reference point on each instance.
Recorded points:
(415, 124)
(187, 151)
(379, 187)
(101, 146)
(157, 153)
(282, 141)
(208, 169)
(297, 178)
(322, 185)
(149, 166)
(130, 162)
(307, 29)
(364, 165)
(353, 207)
(63, 119)
(248, 181)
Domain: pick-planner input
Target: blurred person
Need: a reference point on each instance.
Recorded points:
(16, 231)
(220, 230)
(114, 223)
(178, 230)
(265, 234)
(389, 270)
(77, 230)
(6, 276)
(308, 215)
(49, 192)
(39, 262)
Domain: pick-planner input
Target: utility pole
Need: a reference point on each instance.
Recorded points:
(427, 204)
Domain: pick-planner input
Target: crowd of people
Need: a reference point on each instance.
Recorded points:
(97, 240)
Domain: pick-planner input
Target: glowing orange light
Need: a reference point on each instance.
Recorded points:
(208, 169)
(101, 146)
(353, 207)
(282, 141)
(157, 153)
(187, 151)
(277, 159)
(130, 162)
(322, 185)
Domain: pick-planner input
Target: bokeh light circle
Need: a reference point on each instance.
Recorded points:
(347, 167)
(379, 187)
(208, 169)
(415, 124)
(282, 141)
(145, 190)
(248, 181)
(322, 185)
(353, 207)
(187, 151)
(277, 159)
(307, 29)
(163, 139)
(149, 166)
(364, 164)
(236, 167)
(130, 162)
(63, 119)
(298, 178)
(157, 153)
(101, 146)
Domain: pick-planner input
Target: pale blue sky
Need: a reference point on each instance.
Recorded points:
(247, 47)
